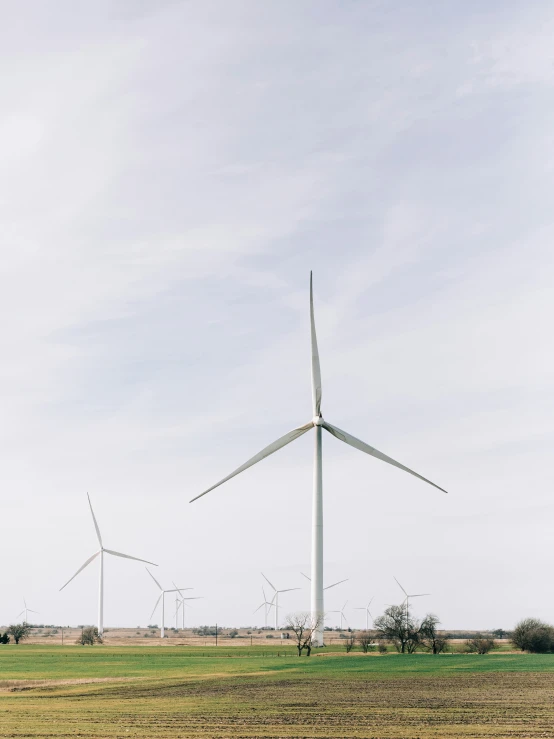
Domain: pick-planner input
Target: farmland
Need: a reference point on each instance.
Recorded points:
(109, 691)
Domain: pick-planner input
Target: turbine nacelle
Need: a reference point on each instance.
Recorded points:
(317, 421)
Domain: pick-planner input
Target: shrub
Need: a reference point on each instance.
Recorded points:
(533, 635)
(480, 644)
(233, 633)
(90, 636)
(4, 638)
(382, 647)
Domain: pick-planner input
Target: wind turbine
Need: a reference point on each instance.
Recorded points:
(181, 602)
(342, 616)
(317, 423)
(407, 600)
(162, 598)
(101, 552)
(268, 606)
(25, 611)
(275, 599)
(367, 612)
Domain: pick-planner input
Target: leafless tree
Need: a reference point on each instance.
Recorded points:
(397, 626)
(429, 635)
(349, 641)
(480, 644)
(365, 640)
(303, 627)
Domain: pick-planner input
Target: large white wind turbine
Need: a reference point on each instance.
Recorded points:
(275, 599)
(162, 598)
(317, 423)
(367, 612)
(101, 553)
(25, 611)
(266, 605)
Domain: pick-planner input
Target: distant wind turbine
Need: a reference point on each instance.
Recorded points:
(367, 612)
(101, 552)
(275, 599)
(268, 606)
(162, 599)
(342, 616)
(25, 611)
(181, 602)
(407, 599)
(317, 423)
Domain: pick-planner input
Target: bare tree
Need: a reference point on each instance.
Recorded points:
(480, 644)
(365, 640)
(349, 641)
(19, 631)
(533, 635)
(429, 635)
(303, 627)
(397, 626)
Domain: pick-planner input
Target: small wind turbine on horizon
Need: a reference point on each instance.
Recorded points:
(162, 599)
(317, 424)
(275, 599)
(26, 610)
(367, 612)
(181, 602)
(407, 599)
(342, 616)
(101, 553)
(268, 606)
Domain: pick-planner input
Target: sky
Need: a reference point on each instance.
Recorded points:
(170, 172)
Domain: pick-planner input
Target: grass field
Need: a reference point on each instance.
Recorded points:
(252, 692)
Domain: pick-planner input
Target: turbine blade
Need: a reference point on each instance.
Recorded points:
(335, 583)
(416, 595)
(31, 610)
(22, 612)
(273, 586)
(153, 578)
(89, 560)
(95, 522)
(363, 447)
(270, 449)
(307, 578)
(316, 369)
(157, 603)
(258, 608)
(287, 590)
(400, 586)
(128, 556)
(176, 590)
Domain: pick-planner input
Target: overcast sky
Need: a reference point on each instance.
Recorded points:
(169, 174)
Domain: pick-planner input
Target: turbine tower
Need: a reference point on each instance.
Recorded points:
(275, 599)
(101, 552)
(367, 612)
(25, 611)
(317, 423)
(162, 598)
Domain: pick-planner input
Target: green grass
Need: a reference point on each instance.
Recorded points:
(161, 692)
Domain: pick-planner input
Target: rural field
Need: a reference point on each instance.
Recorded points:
(112, 691)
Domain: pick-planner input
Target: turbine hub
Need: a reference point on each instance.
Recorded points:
(317, 421)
